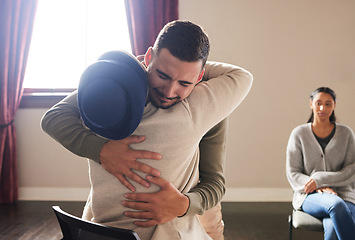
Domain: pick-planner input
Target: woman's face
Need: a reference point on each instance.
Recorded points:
(322, 106)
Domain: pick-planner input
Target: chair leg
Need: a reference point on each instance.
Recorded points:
(290, 227)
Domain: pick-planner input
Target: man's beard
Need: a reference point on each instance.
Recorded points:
(157, 105)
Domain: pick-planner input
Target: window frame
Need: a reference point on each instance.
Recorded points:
(43, 97)
(46, 97)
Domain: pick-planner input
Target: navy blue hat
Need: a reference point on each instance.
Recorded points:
(111, 95)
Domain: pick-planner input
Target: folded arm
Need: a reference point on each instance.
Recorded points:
(345, 175)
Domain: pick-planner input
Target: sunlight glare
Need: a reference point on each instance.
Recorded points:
(69, 35)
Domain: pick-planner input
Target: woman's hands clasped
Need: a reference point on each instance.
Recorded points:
(311, 186)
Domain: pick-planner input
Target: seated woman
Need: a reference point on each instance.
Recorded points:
(320, 168)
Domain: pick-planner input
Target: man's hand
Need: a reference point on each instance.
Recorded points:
(119, 159)
(159, 207)
(310, 186)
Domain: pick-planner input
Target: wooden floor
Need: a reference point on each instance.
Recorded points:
(243, 221)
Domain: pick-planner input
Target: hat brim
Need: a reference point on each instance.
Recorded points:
(112, 94)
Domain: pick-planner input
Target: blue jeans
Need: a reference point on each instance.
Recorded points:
(338, 215)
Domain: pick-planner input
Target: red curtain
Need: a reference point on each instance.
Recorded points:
(16, 24)
(145, 20)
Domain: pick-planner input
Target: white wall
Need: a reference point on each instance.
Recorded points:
(291, 47)
(46, 170)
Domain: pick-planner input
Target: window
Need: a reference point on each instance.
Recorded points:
(68, 36)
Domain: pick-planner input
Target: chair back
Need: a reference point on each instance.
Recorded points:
(74, 228)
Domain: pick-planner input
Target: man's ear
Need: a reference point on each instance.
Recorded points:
(148, 56)
(201, 75)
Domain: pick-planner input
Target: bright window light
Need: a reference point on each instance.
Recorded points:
(69, 35)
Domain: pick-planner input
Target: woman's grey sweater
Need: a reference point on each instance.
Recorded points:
(335, 167)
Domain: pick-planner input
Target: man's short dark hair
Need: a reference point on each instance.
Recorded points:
(185, 40)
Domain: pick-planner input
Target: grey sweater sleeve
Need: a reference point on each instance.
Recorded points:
(211, 188)
(294, 162)
(63, 123)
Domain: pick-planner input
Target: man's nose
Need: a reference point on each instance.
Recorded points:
(170, 90)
